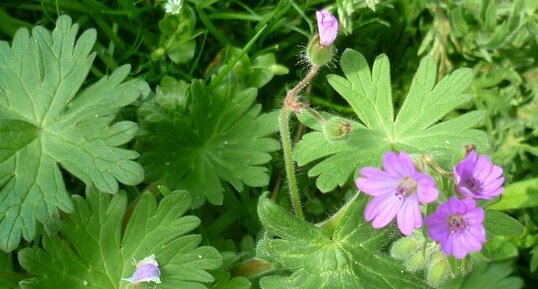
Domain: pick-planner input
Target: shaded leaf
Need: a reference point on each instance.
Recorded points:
(218, 136)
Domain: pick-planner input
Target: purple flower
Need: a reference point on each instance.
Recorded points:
(327, 27)
(457, 225)
(397, 189)
(147, 270)
(476, 177)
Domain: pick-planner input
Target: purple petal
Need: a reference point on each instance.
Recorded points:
(327, 27)
(409, 216)
(427, 194)
(382, 210)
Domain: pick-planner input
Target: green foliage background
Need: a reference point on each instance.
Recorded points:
(198, 105)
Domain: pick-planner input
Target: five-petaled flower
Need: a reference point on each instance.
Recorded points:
(458, 226)
(327, 27)
(147, 270)
(397, 189)
(476, 177)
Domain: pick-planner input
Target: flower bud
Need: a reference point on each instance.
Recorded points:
(336, 128)
(320, 50)
(438, 271)
(327, 27)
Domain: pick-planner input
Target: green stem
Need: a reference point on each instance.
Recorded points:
(284, 124)
(291, 104)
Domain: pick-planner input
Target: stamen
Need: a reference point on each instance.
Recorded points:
(406, 187)
(456, 223)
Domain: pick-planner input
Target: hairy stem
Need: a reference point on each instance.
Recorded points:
(291, 104)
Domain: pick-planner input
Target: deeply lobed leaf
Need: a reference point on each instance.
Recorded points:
(207, 137)
(92, 252)
(418, 128)
(45, 121)
(350, 256)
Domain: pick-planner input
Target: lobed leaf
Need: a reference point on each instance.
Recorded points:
(418, 128)
(46, 120)
(348, 257)
(92, 252)
(218, 135)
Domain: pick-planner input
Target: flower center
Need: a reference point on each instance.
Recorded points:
(472, 184)
(406, 187)
(456, 223)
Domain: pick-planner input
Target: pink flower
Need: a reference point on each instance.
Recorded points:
(147, 270)
(476, 177)
(457, 226)
(397, 189)
(327, 27)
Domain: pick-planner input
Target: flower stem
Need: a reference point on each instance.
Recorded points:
(291, 104)
(295, 198)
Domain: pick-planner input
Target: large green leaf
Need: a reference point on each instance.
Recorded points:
(350, 256)
(92, 252)
(197, 138)
(418, 128)
(45, 121)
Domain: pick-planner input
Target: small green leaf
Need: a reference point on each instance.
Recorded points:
(499, 223)
(219, 136)
(92, 252)
(418, 128)
(309, 258)
(47, 121)
(518, 195)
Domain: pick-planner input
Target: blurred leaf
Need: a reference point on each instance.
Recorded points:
(418, 128)
(309, 258)
(518, 195)
(487, 275)
(500, 249)
(93, 252)
(499, 223)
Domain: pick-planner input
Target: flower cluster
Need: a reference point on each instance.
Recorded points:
(457, 224)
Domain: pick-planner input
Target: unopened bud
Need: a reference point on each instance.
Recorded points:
(158, 54)
(327, 27)
(320, 50)
(336, 128)
(438, 271)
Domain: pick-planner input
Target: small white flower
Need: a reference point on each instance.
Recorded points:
(173, 6)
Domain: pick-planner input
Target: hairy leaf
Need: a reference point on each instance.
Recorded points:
(45, 121)
(211, 137)
(349, 257)
(418, 128)
(92, 252)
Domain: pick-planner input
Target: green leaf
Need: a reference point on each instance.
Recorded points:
(518, 195)
(419, 127)
(487, 275)
(225, 281)
(92, 251)
(46, 121)
(349, 257)
(8, 277)
(499, 223)
(218, 136)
